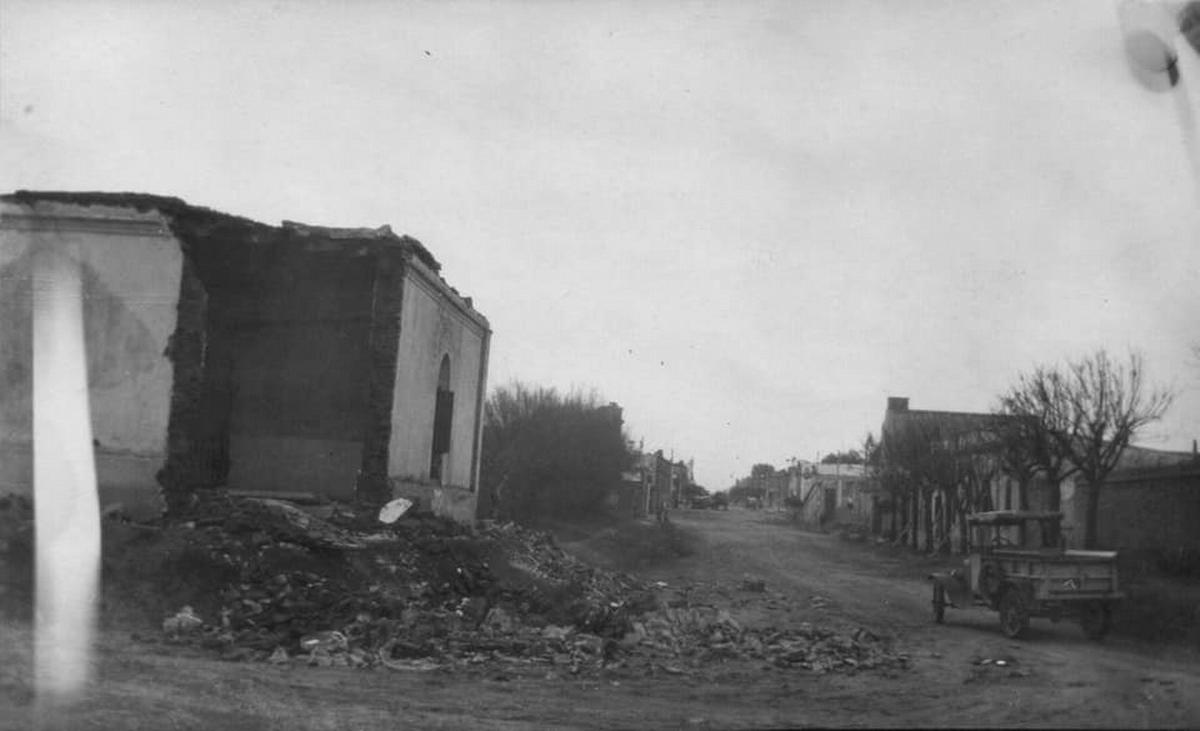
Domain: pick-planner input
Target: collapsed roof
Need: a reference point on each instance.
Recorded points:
(196, 223)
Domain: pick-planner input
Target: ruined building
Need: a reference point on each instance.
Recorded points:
(223, 352)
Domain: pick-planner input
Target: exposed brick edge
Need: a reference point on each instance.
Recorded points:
(184, 471)
(387, 297)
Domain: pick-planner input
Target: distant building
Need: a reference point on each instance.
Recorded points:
(662, 487)
(681, 478)
(1148, 502)
(953, 455)
(658, 482)
(632, 497)
(830, 495)
(770, 491)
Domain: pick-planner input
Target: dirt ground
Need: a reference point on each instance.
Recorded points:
(764, 572)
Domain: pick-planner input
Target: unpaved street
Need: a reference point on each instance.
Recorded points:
(1053, 678)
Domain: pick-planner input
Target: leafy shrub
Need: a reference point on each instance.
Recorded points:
(550, 456)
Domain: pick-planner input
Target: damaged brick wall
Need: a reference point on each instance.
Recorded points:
(284, 352)
(295, 315)
(329, 378)
(387, 298)
(188, 466)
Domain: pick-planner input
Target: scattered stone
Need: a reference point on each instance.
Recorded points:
(754, 585)
(237, 654)
(183, 622)
(499, 620)
(331, 641)
(394, 510)
(424, 594)
(411, 665)
(553, 632)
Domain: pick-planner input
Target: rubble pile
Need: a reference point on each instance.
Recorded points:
(597, 601)
(265, 580)
(280, 583)
(706, 634)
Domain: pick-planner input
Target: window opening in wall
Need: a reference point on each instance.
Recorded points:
(443, 415)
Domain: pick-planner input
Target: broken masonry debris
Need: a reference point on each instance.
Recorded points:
(423, 593)
(328, 641)
(754, 585)
(184, 621)
(394, 510)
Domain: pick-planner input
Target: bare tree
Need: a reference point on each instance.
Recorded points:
(870, 449)
(1083, 417)
(899, 475)
(976, 466)
(871, 472)
(1017, 459)
(918, 462)
(1038, 405)
(761, 470)
(1112, 403)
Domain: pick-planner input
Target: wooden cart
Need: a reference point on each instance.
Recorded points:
(1021, 569)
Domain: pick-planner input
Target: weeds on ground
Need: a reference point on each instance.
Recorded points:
(1161, 602)
(1160, 610)
(637, 545)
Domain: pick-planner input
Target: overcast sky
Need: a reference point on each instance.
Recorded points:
(748, 223)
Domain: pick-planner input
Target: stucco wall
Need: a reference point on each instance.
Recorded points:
(131, 269)
(432, 327)
(1154, 512)
(812, 491)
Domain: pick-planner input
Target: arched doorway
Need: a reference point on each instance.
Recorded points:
(443, 418)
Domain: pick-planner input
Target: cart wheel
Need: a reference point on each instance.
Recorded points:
(939, 603)
(1096, 620)
(1014, 617)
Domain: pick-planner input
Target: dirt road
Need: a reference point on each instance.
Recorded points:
(1053, 678)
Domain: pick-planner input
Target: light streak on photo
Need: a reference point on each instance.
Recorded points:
(1157, 37)
(66, 504)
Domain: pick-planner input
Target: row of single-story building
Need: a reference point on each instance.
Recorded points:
(652, 484)
(1150, 502)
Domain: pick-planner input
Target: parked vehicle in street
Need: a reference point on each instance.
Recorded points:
(719, 501)
(1021, 568)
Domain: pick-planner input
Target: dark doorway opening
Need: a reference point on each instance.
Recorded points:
(286, 367)
(443, 418)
